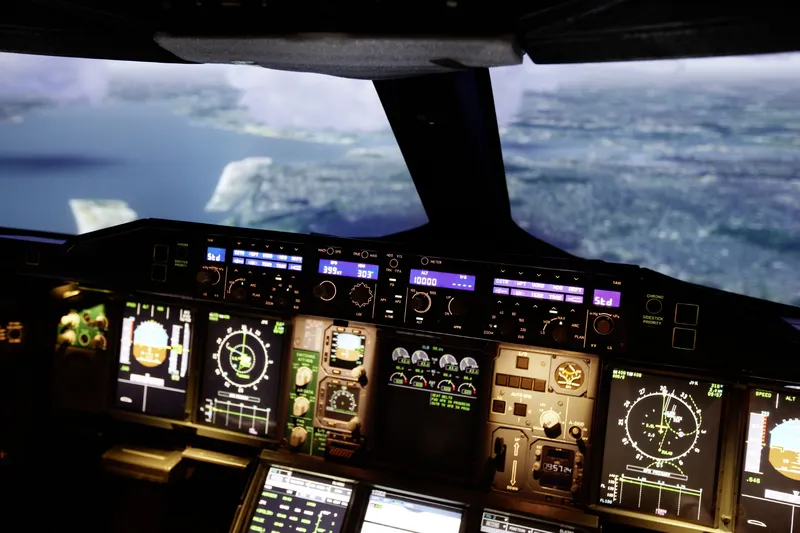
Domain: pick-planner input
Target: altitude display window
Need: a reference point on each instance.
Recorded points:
(391, 513)
(429, 406)
(154, 359)
(662, 446)
(240, 380)
(294, 501)
(770, 479)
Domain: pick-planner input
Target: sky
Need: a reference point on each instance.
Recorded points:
(315, 101)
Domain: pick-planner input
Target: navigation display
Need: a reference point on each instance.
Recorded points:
(662, 445)
(241, 375)
(294, 501)
(154, 359)
(441, 387)
(499, 522)
(388, 513)
(770, 485)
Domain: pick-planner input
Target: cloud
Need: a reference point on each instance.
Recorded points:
(308, 101)
(55, 79)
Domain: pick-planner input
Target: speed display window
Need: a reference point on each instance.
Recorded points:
(662, 446)
(240, 381)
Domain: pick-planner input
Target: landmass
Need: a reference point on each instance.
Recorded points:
(93, 215)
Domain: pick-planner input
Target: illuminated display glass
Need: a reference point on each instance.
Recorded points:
(347, 269)
(390, 513)
(154, 359)
(295, 501)
(770, 477)
(662, 446)
(241, 375)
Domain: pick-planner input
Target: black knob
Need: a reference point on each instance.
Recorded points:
(457, 306)
(558, 332)
(361, 294)
(325, 291)
(280, 300)
(205, 277)
(421, 302)
(603, 324)
(239, 292)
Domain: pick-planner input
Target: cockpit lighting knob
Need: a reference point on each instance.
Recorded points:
(421, 302)
(325, 291)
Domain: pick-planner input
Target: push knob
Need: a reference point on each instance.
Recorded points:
(325, 291)
(457, 307)
(421, 302)
(603, 324)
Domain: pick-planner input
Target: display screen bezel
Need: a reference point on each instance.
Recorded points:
(729, 426)
(280, 375)
(410, 498)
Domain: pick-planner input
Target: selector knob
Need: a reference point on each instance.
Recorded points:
(298, 437)
(603, 324)
(457, 307)
(301, 406)
(360, 373)
(68, 337)
(551, 423)
(303, 376)
(557, 330)
(204, 277)
(361, 294)
(325, 291)
(421, 302)
(354, 424)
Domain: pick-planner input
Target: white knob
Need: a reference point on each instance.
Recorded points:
(358, 371)
(301, 406)
(68, 337)
(303, 376)
(354, 424)
(297, 437)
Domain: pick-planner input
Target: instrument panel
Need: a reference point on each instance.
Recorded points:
(526, 388)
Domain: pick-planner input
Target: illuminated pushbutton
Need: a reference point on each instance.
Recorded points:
(301, 406)
(654, 306)
(303, 376)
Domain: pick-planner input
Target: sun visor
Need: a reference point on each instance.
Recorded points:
(349, 56)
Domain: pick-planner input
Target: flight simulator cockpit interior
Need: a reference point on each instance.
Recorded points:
(399, 267)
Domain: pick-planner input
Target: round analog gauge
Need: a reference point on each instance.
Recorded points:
(447, 360)
(242, 358)
(570, 376)
(343, 401)
(663, 425)
(419, 356)
(468, 363)
(400, 355)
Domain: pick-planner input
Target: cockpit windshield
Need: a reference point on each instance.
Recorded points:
(86, 144)
(690, 167)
